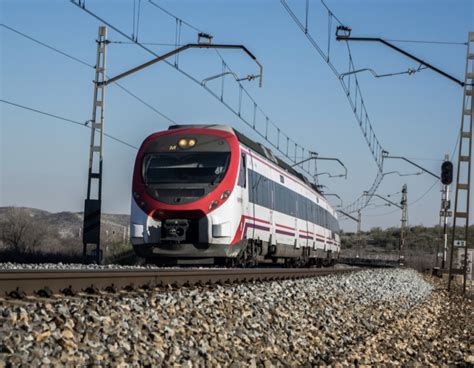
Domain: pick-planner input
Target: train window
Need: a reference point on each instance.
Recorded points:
(287, 201)
(242, 182)
(183, 167)
(279, 198)
(292, 202)
(252, 190)
(261, 189)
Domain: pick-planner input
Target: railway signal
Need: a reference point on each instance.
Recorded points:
(447, 172)
(446, 179)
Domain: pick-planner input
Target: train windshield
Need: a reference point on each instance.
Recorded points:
(185, 167)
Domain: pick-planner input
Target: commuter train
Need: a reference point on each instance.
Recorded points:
(207, 194)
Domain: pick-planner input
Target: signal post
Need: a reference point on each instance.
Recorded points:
(446, 180)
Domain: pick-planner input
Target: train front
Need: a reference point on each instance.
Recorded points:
(183, 202)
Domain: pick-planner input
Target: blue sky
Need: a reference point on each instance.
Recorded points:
(44, 161)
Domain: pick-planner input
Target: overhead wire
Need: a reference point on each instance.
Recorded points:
(138, 18)
(55, 116)
(356, 103)
(133, 21)
(242, 89)
(411, 203)
(429, 42)
(236, 111)
(455, 146)
(47, 46)
(362, 201)
(63, 53)
(424, 159)
(144, 43)
(176, 17)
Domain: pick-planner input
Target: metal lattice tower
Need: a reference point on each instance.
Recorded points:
(463, 176)
(92, 206)
(403, 224)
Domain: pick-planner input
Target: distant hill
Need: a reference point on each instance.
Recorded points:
(31, 234)
(69, 224)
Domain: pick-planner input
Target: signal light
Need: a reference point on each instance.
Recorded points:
(447, 172)
(213, 205)
(225, 195)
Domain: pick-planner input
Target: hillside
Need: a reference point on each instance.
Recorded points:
(30, 231)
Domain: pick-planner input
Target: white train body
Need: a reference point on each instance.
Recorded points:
(204, 194)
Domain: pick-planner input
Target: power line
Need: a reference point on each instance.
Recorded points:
(353, 92)
(425, 193)
(236, 110)
(63, 53)
(360, 202)
(411, 203)
(145, 103)
(47, 46)
(430, 42)
(424, 159)
(455, 146)
(241, 89)
(82, 124)
(136, 18)
(145, 43)
(176, 17)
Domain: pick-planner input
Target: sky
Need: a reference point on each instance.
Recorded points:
(44, 161)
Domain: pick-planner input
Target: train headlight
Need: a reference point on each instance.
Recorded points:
(225, 195)
(213, 205)
(183, 143)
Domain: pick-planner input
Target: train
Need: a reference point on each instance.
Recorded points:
(207, 194)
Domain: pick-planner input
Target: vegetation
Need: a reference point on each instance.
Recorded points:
(30, 235)
(421, 244)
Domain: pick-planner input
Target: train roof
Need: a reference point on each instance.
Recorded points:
(257, 147)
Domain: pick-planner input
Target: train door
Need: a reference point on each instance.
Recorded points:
(243, 194)
(271, 219)
(311, 226)
(252, 195)
(297, 208)
(306, 222)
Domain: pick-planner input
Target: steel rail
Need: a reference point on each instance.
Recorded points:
(45, 283)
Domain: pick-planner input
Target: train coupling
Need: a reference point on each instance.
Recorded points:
(175, 230)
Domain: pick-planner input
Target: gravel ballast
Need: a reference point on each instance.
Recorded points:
(10, 266)
(375, 317)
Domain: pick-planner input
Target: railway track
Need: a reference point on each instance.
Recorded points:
(46, 283)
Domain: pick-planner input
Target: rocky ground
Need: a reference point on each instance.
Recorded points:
(381, 317)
